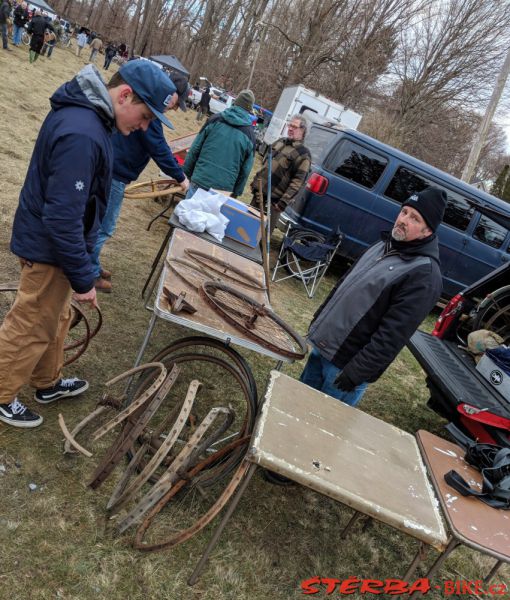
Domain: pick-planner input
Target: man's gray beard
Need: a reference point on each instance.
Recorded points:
(398, 235)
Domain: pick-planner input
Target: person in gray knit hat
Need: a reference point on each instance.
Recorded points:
(245, 99)
(221, 157)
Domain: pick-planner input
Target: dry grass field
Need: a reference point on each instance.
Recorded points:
(55, 541)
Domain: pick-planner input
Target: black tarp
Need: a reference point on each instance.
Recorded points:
(171, 62)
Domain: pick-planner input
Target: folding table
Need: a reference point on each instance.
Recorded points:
(346, 454)
(471, 522)
(205, 320)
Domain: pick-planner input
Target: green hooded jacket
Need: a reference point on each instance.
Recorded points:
(221, 157)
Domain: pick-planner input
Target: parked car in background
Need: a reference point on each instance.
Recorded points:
(358, 184)
(195, 96)
(220, 101)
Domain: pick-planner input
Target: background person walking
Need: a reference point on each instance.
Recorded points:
(81, 40)
(37, 28)
(95, 45)
(5, 10)
(20, 20)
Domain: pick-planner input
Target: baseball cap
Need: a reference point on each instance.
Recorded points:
(151, 84)
(183, 87)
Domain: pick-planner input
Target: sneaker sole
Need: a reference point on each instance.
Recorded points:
(21, 424)
(61, 395)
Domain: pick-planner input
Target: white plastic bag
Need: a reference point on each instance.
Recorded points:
(201, 213)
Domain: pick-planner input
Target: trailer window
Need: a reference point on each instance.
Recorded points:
(318, 140)
(356, 163)
(489, 232)
(458, 212)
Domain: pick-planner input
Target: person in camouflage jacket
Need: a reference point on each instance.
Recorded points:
(290, 166)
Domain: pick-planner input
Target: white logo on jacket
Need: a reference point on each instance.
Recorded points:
(79, 186)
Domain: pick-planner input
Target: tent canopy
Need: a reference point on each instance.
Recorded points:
(42, 5)
(171, 62)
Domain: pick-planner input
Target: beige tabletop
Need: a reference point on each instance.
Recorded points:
(348, 455)
(206, 319)
(473, 522)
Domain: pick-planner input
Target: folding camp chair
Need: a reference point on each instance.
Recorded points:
(306, 255)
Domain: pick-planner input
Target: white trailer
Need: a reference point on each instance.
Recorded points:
(297, 99)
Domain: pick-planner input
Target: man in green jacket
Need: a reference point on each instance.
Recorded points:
(221, 156)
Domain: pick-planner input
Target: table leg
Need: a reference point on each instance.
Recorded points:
(493, 571)
(219, 530)
(352, 521)
(420, 555)
(442, 557)
(138, 360)
(156, 260)
(160, 214)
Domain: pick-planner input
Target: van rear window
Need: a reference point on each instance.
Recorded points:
(489, 232)
(404, 183)
(356, 163)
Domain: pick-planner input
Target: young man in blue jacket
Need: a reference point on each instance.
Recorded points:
(60, 206)
(130, 157)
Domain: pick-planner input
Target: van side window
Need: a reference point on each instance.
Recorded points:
(356, 163)
(404, 183)
(489, 232)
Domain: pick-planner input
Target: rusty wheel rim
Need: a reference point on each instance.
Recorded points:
(254, 320)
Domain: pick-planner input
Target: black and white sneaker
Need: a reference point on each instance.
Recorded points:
(64, 388)
(18, 415)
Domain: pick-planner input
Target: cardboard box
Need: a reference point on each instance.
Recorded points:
(244, 222)
(499, 380)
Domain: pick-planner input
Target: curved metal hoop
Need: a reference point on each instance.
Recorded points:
(224, 269)
(254, 319)
(151, 189)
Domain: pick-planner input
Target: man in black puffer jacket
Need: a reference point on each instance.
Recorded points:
(374, 310)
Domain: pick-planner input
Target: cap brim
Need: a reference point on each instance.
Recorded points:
(161, 117)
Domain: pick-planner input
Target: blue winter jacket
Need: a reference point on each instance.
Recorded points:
(132, 153)
(68, 181)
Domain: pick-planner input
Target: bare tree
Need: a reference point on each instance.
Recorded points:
(446, 58)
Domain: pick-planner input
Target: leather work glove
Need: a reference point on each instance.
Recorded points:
(342, 382)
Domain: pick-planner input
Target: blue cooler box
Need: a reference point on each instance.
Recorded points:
(244, 222)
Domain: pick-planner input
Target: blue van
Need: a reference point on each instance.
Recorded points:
(359, 184)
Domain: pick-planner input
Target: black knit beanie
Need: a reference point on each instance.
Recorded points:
(430, 203)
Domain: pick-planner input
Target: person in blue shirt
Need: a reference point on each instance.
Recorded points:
(130, 157)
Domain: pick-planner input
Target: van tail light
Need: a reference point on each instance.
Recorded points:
(318, 184)
(448, 315)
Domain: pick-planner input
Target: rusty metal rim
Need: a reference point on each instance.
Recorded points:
(210, 287)
(230, 352)
(221, 470)
(159, 187)
(189, 532)
(83, 342)
(222, 268)
(133, 427)
(184, 461)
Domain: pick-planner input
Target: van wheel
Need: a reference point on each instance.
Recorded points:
(302, 236)
(493, 313)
